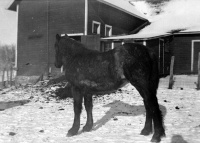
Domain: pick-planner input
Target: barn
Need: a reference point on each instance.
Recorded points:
(172, 32)
(87, 21)
(184, 46)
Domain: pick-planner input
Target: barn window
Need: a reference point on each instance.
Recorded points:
(96, 27)
(108, 30)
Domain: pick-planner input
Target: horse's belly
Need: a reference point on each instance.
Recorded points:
(102, 87)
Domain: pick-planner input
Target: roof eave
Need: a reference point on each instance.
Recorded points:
(187, 32)
(121, 9)
(13, 5)
(128, 38)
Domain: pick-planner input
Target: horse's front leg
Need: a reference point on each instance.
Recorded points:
(78, 99)
(88, 106)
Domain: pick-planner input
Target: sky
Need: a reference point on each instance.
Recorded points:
(8, 24)
(173, 15)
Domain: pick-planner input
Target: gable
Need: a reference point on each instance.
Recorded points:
(125, 6)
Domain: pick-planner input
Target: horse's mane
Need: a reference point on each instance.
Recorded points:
(74, 47)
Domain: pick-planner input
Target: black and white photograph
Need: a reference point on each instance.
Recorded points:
(99, 71)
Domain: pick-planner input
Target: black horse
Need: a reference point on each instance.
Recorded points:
(91, 72)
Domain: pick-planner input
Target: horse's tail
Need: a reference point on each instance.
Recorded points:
(154, 76)
(154, 82)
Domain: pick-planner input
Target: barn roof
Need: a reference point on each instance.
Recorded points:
(122, 5)
(13, 5)
(125, 6)
(148, 36)
(172, 20)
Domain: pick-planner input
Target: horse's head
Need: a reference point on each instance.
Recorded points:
(67, 47)
(58, 54)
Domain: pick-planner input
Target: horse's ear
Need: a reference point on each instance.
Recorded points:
(58, 37)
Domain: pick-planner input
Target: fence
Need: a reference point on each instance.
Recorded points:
(7, 70)
(7, 76)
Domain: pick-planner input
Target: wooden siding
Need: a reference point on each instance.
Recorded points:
(39, 22)
(32, 38)
(182, 53)
(122, 23)
(196, 56)
(180, 47)
(154, 45)
(65, 17)
(92, 41)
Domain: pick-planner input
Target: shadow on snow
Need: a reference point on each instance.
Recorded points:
(119, 108)
(11, 104)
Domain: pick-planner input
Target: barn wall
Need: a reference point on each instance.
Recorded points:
(65, 16)
(182, 52)
(39, 22)
(32, 38)
(122, 23)
(154, 44)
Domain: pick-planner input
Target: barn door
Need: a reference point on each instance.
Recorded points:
(194, 55)
(161, 57)
(91, 41)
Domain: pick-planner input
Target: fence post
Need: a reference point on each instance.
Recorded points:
(198, 82)
(3, 78)
(171, 78)
(7, 79)
(11, 73)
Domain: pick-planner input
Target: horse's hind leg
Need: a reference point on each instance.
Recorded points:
(88, 106)
(149, 117)
(159, 130)
(148, 123)
(152, 112)
(78, 99)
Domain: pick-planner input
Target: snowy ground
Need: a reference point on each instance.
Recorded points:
(28, 115)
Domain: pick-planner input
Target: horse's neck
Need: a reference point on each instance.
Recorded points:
(75, 49)
(72, 50)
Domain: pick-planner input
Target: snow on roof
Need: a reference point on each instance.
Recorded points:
(138, 36)
(182, 16)
(126, 6)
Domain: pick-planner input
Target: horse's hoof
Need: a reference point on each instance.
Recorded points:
(72, 132)
(69, 135)
(155, 140)
(87, 128)
(146, 132)
(157, 137)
